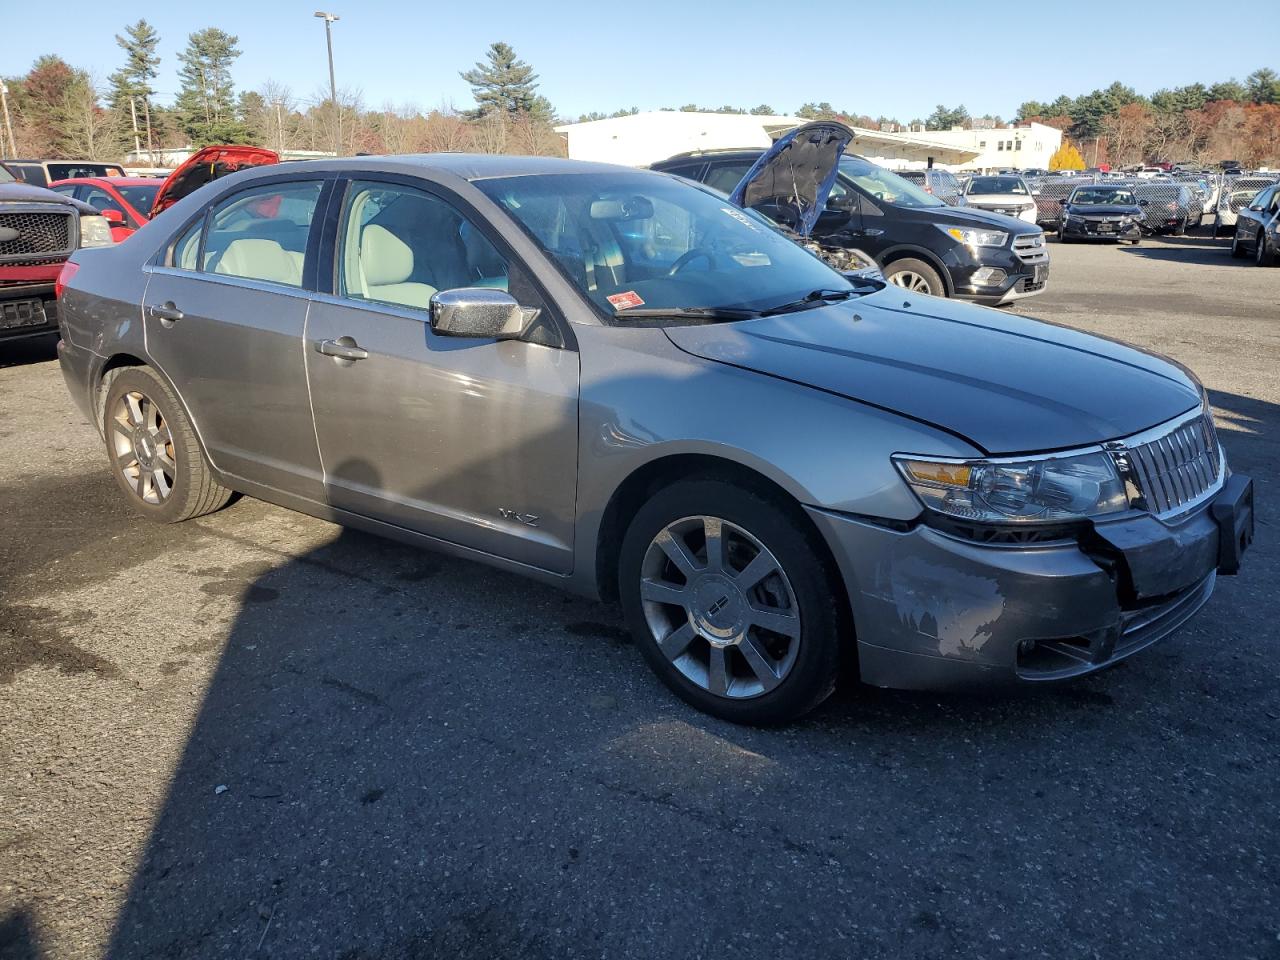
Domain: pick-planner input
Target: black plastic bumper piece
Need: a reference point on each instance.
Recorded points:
(1232, 510)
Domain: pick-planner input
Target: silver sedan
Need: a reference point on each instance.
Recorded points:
(617, 381)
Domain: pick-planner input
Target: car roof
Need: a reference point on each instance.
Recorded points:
(466, 166)
(115, 181)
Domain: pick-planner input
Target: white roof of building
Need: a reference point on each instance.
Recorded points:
(643, 138)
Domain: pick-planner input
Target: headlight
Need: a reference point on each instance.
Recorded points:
(95, 232)
(1041, 490)
(1075, 220)
(976, 238)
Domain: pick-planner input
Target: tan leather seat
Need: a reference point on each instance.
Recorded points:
(259, 259)
(386, 263)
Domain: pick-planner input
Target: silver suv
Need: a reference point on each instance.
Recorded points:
(619, 382)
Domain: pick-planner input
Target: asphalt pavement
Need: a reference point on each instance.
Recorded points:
(258, 735)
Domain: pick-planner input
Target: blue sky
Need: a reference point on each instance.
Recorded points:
(874, 58)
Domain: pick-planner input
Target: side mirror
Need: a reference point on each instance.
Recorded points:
(830, 220)
(113, 216)
(1064, 201)
(1035, 193)
(1144, 203)
(480, 312)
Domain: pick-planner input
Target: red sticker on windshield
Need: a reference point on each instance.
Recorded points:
(625, 301)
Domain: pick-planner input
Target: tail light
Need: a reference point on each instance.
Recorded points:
(64, 277)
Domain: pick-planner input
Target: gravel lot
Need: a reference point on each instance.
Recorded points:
(256, 735)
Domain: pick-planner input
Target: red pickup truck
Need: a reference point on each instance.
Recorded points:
(39, 230)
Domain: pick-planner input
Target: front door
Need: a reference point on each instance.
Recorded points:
(224, 319)
(469, 441)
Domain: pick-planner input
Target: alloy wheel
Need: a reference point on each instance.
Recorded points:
(720, 607)
(910, 280)
(143, 447)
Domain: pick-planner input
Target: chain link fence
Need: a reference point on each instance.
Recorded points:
(1235, 194)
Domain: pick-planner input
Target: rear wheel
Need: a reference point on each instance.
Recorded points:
(916, 276)
(154, 455)
(1263, 255)
(732, 604)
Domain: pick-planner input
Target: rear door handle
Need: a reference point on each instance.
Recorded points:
(167, 313)
(344, 348)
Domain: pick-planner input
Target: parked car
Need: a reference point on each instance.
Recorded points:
(1167, 206)
(1101, 212)
(39, 230)
(1048, 193)
(1007, 195)
(129, 202)
(918, 241)
(1236, 193)
(941, 183)
(1256, 226)
(125, 202)
(41, 173)
(615, 381)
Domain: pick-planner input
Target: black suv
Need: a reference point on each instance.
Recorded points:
(919, 242)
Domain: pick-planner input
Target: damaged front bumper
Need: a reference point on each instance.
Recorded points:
(933, 611)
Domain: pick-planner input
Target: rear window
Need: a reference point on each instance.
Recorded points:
(77, 169)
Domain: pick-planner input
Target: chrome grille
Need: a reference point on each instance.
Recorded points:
(1030, 248)
(1174, 468)
(35, 234)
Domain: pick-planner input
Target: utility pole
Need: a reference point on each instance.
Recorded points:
(329, 19)
(279, 128)
(8, 124)
(146, 114)
(133, 114)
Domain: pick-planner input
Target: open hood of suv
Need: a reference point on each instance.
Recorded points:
(206, 164)
(791, 181)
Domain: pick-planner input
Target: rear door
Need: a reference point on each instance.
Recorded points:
(466, 440)
(224, 317)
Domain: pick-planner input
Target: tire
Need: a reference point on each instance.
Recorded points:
(1263, 256)
(918, 277)
(1236, 250)
(1062, 234)
(164, 481)
(664, 606)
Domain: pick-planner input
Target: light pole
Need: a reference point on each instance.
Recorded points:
(8, 124)
(329, 19)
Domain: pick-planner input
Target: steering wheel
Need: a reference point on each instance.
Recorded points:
(689, 256)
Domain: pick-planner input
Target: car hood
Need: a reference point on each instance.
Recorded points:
(29, 193)
(206, 164)
(1104, 210)
(799, 171)
(1006, 384)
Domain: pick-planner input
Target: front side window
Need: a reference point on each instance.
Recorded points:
(261, 233)
(400, 245)
(140, 196)
(634, 240)
(888, 187)
(100, 200)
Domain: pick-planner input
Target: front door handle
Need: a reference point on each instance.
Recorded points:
(344, 348)
(167, 313)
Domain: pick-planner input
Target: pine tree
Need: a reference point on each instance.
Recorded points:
(504, 84)
(206, 104)
(131, 92)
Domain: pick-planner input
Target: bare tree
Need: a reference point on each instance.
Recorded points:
(88, 131)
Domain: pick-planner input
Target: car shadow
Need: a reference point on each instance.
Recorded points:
(18, 939)
(1188, 249)
(402, 755)
(15, 353)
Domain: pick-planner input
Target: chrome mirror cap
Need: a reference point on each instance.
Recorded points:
(479, 312)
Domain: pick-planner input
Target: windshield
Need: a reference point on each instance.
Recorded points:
(641, 240)
(1103, 195)
(997, 185)
(140, 197)
(5, 175)
(885, 186)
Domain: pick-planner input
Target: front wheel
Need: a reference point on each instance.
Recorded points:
(1237, 251)
(155, 457)
(1263, 255)
(732, 604)
(915, 276)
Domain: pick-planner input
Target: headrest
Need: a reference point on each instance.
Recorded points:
(260, 260)
(384, 257)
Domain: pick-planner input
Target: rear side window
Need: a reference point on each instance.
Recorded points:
(725, 176)
(187, 250)
(261, 233)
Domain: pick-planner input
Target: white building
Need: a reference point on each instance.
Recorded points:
(1015, 147)
(640, 139)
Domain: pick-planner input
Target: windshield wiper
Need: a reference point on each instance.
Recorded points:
(697, 313)
(815, 298)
